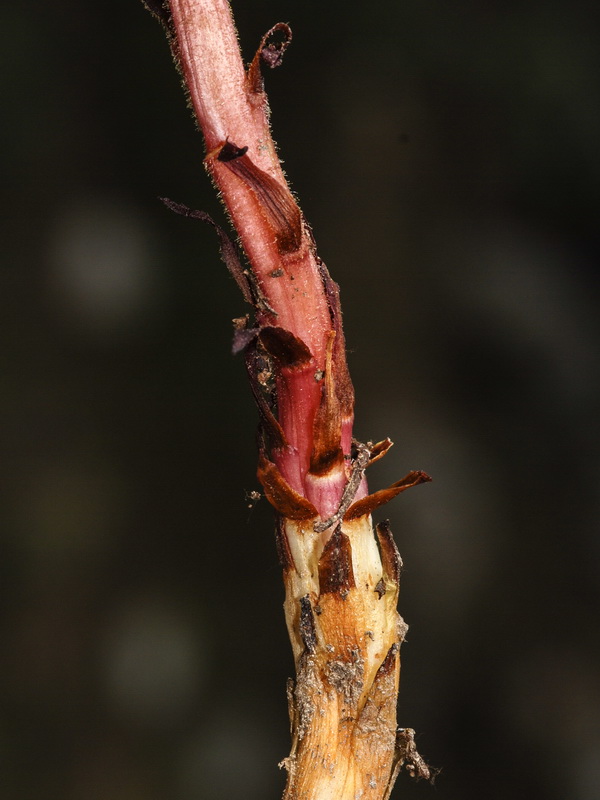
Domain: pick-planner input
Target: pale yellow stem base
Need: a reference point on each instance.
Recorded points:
(341, 596)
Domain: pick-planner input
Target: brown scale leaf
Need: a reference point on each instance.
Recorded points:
(270, 424)
(287, 350)
(307, 625)
(280, 494)
(379, 450)
(284, 553)
(391, 561)
(275, 201)
(369, 503)
(343, 383)
(335, 565)
(327, 426)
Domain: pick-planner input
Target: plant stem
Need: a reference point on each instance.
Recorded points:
(341, 574)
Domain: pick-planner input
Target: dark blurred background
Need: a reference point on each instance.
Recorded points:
(447, 156)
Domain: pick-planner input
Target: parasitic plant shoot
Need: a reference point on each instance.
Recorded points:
(341, 572)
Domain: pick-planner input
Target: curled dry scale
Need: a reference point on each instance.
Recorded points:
(341, 572)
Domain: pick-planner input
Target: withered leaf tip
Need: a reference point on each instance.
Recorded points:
(230, 151)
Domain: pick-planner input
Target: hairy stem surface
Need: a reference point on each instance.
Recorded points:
(341, 573)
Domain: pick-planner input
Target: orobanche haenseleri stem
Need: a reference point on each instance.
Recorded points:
(341, 572)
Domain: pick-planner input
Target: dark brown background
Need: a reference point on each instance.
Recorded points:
(447, 157)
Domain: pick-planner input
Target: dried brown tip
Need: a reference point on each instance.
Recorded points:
(230, 151)
(269, 53)
(379, 450)
(227, 248)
